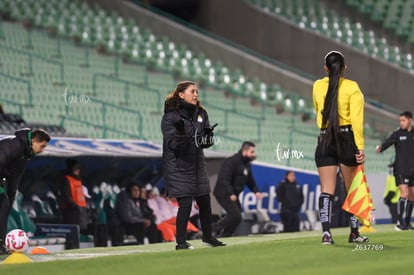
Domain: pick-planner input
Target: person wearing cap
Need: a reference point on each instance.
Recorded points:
(339, 109)
(403, 141)
(15, 152)
(72, 196)
(391, 194)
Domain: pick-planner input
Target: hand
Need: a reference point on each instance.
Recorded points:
(259, 196)
(360, 157)
(147, 223)
(233, 197)
(208, 130)
(378, 149)
(179, 125)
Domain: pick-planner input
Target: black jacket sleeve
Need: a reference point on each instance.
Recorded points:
(391, 140)
(8, 155)
(176, 140)
(388, 197)
(123, 210)
(225, 177)
(66, 196)
(251, 183)
(302, 197)
(280, 192)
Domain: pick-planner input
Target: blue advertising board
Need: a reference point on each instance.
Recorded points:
(267, 178)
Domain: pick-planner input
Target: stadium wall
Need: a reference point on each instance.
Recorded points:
(280, 39)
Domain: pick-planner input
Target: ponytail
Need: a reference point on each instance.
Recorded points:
(335, 63)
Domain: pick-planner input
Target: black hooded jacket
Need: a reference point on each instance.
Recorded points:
(290, 194)
(184, 166)
(234, 175)
(14, 154)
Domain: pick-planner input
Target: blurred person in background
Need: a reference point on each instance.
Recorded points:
(403, 141)
(134, 216)
(234, 175)
(72, 197)
(165, 211)
(392, 194)
(290, 195)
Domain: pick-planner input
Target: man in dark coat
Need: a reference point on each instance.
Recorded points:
(14, 154)
(290, 195)
(234, 175)
(186, 132)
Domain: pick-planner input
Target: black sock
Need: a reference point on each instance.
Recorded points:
(409, 211)
(325, 206)
(353, 222)
(401, 209)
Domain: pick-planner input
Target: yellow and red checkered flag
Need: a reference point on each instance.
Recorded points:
(358, 200)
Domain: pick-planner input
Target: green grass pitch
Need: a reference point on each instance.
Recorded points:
(291, 253)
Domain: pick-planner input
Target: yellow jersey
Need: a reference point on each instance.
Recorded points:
(350, 106)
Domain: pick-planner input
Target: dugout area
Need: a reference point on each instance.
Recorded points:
(107, 166)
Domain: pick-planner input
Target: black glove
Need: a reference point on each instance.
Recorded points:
(179, 125)
(209, 130)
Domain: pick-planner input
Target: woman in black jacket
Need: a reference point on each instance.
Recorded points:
(186, 132)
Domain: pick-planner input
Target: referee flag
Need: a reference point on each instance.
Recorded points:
(358, 200)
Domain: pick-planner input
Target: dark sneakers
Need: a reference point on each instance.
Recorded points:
(211, 241)
(409, 226)
(356, 238)
(183, 246)
(400, 227)
(327, 238)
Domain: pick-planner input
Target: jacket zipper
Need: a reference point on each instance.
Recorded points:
(196, 162)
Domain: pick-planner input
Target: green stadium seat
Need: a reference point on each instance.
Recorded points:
(222, 90)
(397, 16)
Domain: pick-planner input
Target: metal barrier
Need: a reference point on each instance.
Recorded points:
(127, 84)
(226, 113)
(105, 128)
(21, 80)
(30, 57)
(15, 103)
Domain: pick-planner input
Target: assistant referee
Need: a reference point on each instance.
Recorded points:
(339, 108)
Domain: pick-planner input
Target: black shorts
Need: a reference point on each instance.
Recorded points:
(404, 179)
(330, 156)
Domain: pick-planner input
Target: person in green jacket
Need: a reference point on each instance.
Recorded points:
(391, 194)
